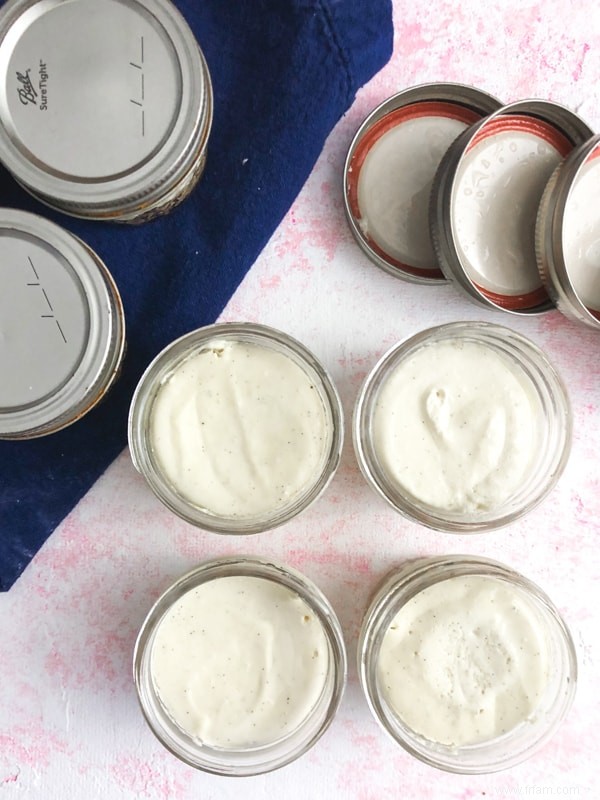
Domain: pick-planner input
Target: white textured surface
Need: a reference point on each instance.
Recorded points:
(69, 722)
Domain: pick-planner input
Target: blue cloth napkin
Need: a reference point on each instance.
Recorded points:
(283, 73)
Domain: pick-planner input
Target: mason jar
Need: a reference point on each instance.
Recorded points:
(464, 427)
(62, 327)
(236, 427)
(240, 666)
(465, 663)
(108, 105)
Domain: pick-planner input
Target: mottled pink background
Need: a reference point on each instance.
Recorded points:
(69, 722)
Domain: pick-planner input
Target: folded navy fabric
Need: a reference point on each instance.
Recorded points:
(283, 73)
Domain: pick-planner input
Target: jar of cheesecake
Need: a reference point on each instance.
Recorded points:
(236, 427)
(107, 108)
(463, 427)
(465, 663)
(240, 666)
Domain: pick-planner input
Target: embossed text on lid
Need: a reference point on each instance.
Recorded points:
(485, 198)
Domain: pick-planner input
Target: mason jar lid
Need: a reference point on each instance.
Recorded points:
(390, 167)
(568, 235)
(106, 102)
(61, 327)
(459, 588)
(485, 200)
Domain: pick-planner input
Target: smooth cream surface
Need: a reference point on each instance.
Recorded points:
(456, 425)
(581, 235)
(239, 662)
(498, 187)
(465, 660)
(395, 183)
(239, 429)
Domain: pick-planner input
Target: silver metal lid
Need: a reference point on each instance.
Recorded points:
(401, 144)
(105, 102)
(553, 130)
(61, 327)
(568, 235)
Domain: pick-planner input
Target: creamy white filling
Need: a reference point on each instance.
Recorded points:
(395, 183)
(240, 430)
(498, 187)
(465, 660)
(239, 662)
(456, 425)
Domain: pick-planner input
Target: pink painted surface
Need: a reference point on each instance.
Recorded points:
(69, 722)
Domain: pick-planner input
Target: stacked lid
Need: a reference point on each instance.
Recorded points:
(443, 183)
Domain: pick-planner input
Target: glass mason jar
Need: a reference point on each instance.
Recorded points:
(109, 109)
(63, 327)
(414, 581)
(254, 424)
(251, 759)
(485, 463)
